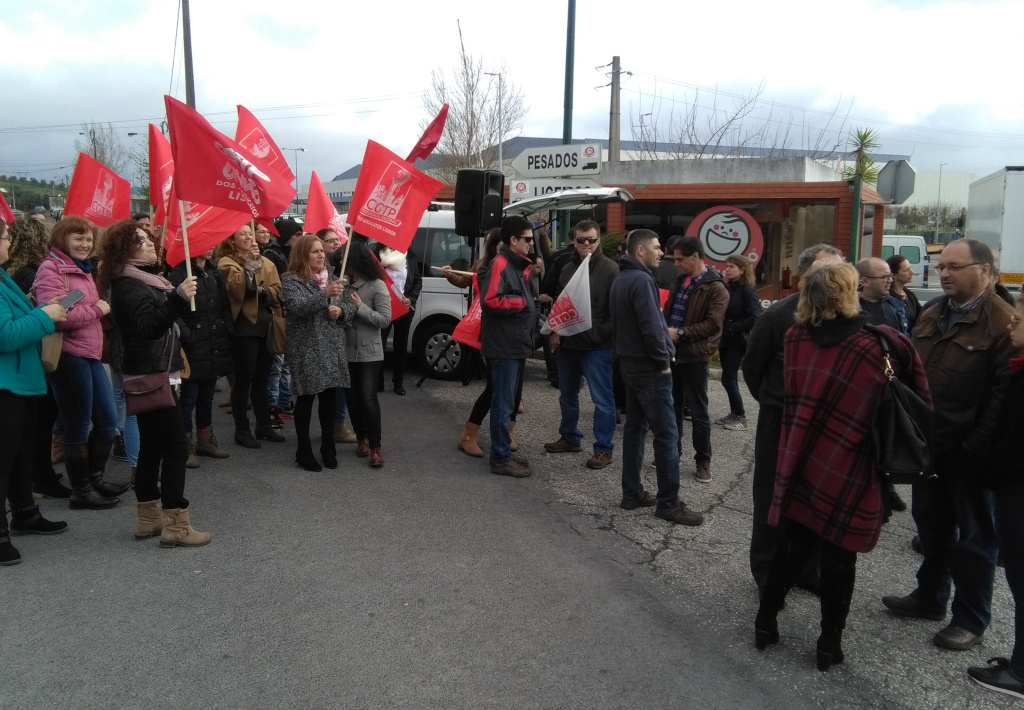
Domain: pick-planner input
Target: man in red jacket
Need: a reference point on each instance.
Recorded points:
(508, 319)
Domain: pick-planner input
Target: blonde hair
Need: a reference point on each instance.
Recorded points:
(827, 291)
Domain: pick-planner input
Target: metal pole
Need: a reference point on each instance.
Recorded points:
(501, 116)
(570, 46)
(186, 34)
(938, 204)
(614, 115)
(855, 229)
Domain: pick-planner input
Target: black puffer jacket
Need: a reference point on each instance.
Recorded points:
(206, 333)
(144, 317)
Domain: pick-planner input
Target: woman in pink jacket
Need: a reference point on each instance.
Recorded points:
(80, 384)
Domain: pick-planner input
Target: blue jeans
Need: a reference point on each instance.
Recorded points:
(505, 378)
(197, 396)
(1010, 529)
(340, 405)
(957, 527)
(649, 405)
(84, 395)
(279, 382)
(128, 426)
(690, 387)
(731, 358)
(596, 366)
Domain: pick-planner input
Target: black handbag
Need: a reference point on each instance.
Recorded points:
(902, 431)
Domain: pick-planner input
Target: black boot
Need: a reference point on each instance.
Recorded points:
(99, 453)
(48, 485)
(794, 546)
(307, 460)
(25, 521)
(837, 581)
(83, 495)
(9, 555)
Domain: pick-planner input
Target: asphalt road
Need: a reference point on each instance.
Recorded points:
(434, 584)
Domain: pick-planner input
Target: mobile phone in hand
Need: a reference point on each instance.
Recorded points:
(71, 299)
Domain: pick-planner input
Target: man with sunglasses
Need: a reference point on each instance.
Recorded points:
(588, 354)
(508, 320)
(965, 346)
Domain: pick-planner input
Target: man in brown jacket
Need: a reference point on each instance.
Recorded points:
(694, 311)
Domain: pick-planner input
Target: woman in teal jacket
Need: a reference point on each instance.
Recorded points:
(22, 384)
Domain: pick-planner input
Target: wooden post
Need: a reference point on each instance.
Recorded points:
(184, 243)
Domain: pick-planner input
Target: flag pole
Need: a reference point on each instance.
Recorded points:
(344, 258)
(184, 243)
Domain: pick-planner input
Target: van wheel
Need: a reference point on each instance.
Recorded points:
(429, 347)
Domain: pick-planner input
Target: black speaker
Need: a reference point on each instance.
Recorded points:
(479, 195)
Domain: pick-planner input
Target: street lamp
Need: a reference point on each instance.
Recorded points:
(501, 134)
(296, 151)
(938, 204)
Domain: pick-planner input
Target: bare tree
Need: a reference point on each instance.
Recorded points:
(475, 126)
(102, 143)
(693, 129)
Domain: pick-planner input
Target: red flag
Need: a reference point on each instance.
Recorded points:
(321, 212)
(269, 224)
(251, 135)
(207, 227)
(428, 141)
(161, 170)
(390, 197)
(5, 211)
(468, 329)
(98, 193)
(212, 169)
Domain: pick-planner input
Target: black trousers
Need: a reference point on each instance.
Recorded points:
(18, 424)
(252, 368)
(163, 450)
(325, 413)
(400, 348)
(42, 469)
(363, 405)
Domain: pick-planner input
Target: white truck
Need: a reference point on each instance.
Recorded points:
(995, 215)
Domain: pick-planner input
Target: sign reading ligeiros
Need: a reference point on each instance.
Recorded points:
(525, 189)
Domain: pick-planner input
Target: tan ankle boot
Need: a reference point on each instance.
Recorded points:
(150, 521)
(467, 442)
(207, 444)
(192, 461)
(178, 530)
(343, 434)
(513, 445)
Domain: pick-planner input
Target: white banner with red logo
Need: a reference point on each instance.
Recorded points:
(571, 313)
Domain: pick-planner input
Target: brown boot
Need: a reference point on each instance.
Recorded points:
(178, 530)
(150, 521)
(206, 444)
(343, 434)
(363, 449)
(513, 445)
(467, 442)
(376, 458)
(56, 448)
(192, 461)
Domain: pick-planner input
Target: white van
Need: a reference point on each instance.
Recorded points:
(913, 248)
(441, 306)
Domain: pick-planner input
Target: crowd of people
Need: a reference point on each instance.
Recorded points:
(103, 344)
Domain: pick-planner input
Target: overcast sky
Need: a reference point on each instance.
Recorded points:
(937, 80)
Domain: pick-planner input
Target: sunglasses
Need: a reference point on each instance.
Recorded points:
(587, 240)
(529, 240)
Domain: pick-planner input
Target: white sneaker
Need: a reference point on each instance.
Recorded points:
(737, 424)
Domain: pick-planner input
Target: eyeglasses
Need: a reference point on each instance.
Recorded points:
(956, 268)
(528, 240)
(887, 277)
(587, 240)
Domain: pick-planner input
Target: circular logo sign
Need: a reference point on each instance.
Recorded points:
(519, 188)
(724, 231)
(589, 151)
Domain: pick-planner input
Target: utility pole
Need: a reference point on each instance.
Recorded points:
(562, 235)
(501, 117)
(938, 204)
(614, 115)
(186, 34)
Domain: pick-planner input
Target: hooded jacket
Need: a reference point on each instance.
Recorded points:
(640, 333)
(508, 311)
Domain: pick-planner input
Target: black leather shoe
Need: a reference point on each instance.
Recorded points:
(911, 607)
(645, 501)
(953, 637)
(110, 490)
(308, 462)
(33, 522)
(399, 390)
(246, 439)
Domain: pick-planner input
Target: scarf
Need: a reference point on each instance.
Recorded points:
(1017, 363)
(678, 314)
(134, 270)
(321, 279)
(85, 266)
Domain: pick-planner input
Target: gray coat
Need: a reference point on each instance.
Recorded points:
(316, 344)
(364, 342)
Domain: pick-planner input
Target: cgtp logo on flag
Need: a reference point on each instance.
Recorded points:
(571, 313)
(388, 196)
(102, 197)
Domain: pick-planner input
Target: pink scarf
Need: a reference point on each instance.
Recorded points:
(131, 270)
